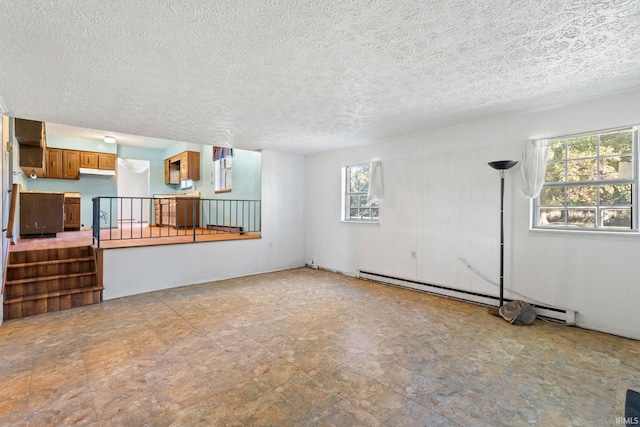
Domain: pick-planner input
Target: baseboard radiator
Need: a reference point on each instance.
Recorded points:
(566, 316)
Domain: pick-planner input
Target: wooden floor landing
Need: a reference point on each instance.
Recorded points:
(120, 238)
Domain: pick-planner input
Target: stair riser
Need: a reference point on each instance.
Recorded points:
(49, 304)
(44, 286)
(22, 257)
(29, 272)
(39, 255)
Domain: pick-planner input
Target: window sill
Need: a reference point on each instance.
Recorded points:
(583, 233)
(347, 221)
(228, 190)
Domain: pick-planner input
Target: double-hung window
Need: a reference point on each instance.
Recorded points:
(223, 175)
(356, 206)
(590, 183)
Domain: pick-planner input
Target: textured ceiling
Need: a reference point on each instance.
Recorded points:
(307, 76)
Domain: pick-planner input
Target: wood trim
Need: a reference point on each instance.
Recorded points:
(15, 190)
(98, 256)
(226, 190)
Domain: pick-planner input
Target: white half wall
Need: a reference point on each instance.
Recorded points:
(137, 270)
(442, 201)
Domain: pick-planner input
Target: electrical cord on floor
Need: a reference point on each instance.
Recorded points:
(529, 300)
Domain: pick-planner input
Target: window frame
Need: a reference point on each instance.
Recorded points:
(346, 195)
(598, 207)
(223, 175)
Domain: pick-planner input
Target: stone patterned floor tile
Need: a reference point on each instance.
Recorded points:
(306, 348)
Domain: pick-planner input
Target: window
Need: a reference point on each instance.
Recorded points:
(223, 175)
(590, 183)
(356, 206)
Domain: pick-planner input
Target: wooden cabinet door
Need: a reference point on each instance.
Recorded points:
(41, 213)
(193, 158)
(184, 166)
(53, 163)
(107, 161)
(71, 215)
(88, 160)
(70, 164)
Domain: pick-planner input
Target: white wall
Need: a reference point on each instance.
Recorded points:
(441, 199)
(137, 270)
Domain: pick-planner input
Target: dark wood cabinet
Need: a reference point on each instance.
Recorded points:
(53, 163)
(72, 213)
(29, 133)
(70, 164)
(41, 214)
(177, 212)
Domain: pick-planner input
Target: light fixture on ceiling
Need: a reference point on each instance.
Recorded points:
(33, 175)
(110, 139)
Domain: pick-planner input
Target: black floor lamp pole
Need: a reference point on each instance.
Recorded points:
(502, 166)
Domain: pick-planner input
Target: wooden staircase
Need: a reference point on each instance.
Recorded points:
(44, 280)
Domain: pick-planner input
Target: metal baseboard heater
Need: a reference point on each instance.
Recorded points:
(566, 316)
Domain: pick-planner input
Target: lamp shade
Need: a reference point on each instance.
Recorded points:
(503, 164)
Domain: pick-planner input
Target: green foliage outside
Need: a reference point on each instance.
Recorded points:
(588, 161)
(358, 186)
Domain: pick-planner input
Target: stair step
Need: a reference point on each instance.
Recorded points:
(52, 294)
(23, 306)
(45, 278)
(37, 255)
(51, 262)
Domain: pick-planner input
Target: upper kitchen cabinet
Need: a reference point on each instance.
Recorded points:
(53, 163)
(70, 164)
(88, 160)
(91, 160)
(107, 161)
(30, 133)
(30, 136)
(185, 165)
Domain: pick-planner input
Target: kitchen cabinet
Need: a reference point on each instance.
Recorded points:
(107, 161)
(71, 212)
(88, 160)
(70, 164)
(29, 133)
(53, 163)
(185, 165)
(177, 212)
(32, 161)
(91, 160)
(41, 214)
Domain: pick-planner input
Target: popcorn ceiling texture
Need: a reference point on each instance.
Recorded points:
(307, 76)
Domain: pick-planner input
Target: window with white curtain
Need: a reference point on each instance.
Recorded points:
(357, 205)
(590, 183)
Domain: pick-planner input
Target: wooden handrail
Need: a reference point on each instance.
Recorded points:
(12, 211)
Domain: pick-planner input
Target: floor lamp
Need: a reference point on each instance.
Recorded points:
(502, 166)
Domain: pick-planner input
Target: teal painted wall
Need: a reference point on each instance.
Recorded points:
(80, 144)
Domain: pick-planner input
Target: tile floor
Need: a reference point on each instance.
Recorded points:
(305, 348)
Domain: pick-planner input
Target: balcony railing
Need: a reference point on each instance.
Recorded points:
(128, 218)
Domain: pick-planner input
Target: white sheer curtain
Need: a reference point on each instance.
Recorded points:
(375, 182)
(533, 166)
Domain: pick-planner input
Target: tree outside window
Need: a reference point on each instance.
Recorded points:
(356, 187)
(590, 183)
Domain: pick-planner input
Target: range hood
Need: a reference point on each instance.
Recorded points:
(102, 172)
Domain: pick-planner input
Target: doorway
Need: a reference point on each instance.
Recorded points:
(133, 181)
